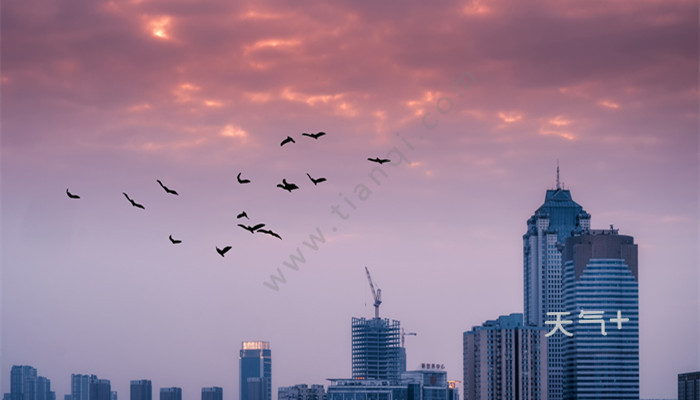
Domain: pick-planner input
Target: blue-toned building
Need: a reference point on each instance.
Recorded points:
(26, 384)
(212, 393)
(141, 390)
(255, 366)
(171, 393)
(689, 386)
(601, 357)
(558, 218)
(422, 384)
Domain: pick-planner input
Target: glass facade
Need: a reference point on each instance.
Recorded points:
(255, 366)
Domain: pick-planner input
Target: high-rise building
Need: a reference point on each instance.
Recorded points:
(114, 395)
(558, 218)
(171, 393)
(505, 360)
(376, 350)
(80, 386)
(25, 384)
(100, 389)
(302, 392)
(600, 288)
(689, 386)
(141, 390)
(212, 393)
(255, 362)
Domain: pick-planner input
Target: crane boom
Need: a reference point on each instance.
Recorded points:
(376, 293)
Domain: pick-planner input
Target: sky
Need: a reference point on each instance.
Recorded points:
(474, 102)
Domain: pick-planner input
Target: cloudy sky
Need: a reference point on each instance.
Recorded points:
(474, 102)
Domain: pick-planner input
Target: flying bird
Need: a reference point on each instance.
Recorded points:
(166, 188)
(287, 186)
(287, 140)
(314, 135)
(71, 195)
(251, 229)
(241, 215)
(271, 233)
(133, 203)
(241, 181)
(316, 181)
(223, 251)
(175, 241)
(379, 160)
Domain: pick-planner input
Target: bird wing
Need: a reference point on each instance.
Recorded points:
(256, 227)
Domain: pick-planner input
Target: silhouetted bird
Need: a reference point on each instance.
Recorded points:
(379, 160)
(316, 181)
(71, 195)
(223, 251)
(251, 229)
(242, 180)
(175, 241)
(287, 186)
(287, 140)
(133, 203)
(165, 188)
(241, 215)
(314, 135)
(270, 233)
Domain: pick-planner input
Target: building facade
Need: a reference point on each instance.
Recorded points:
(255, 366)
(689, 386)
(601, 355)
(141, 390)
(376, 349)
(26, 384)
(558, 218)
(212, 393)
(505, 360)
(302, 392)
(171, 393)
(423, 384)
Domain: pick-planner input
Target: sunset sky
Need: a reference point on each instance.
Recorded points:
(473, 101)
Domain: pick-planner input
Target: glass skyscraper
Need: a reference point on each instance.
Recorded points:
(601, 357)
(255, 366)
(557, 219)
(141, 390)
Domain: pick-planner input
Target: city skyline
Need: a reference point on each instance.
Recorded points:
(474, 102)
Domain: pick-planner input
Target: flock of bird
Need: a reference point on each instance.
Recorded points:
(257, 228)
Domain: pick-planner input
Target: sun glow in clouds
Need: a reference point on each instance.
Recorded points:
(235, 132)
(609, 104)
(159, 27)
(510, 117)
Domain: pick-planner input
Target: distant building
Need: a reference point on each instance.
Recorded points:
(423, 384)
(302, 392)
(67, 397)
(689, 386)
(547, 229)
(26, 384)
(80, 386)
(255, 362)
(141, 390)
(171, 393)
(212, 393)
(600, 291)
(114, 395)
(503, 359)
(100, 389)
(376, 350)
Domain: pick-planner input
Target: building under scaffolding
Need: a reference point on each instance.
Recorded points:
(376, 349)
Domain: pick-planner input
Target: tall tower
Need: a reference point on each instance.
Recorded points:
(255, 366)
(141, 390)
(601, 358)
(558, 218)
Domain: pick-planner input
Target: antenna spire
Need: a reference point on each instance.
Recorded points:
(558, 186)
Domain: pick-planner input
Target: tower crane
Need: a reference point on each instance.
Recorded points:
(404, 334)
(376, 293)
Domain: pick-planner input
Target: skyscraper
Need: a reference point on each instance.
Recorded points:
(212, 393)
(23, 382)
(80, 386)
(601, 357)
(100, 389)
(689, 386)
(376, 349)
(255, 362)
(141, 390)
(505, 360)
(171, 393)
(558, 218)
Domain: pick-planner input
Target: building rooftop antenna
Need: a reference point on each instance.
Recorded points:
(558, 186)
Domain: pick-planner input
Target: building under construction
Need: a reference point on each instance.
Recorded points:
(376, 349)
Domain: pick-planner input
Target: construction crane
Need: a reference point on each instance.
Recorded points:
(404, 334)
(376, 293)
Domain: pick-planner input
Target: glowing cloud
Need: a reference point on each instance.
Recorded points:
(235, 132)
(510, 117)
(609, 104)
(159, 27)
(559, 121)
